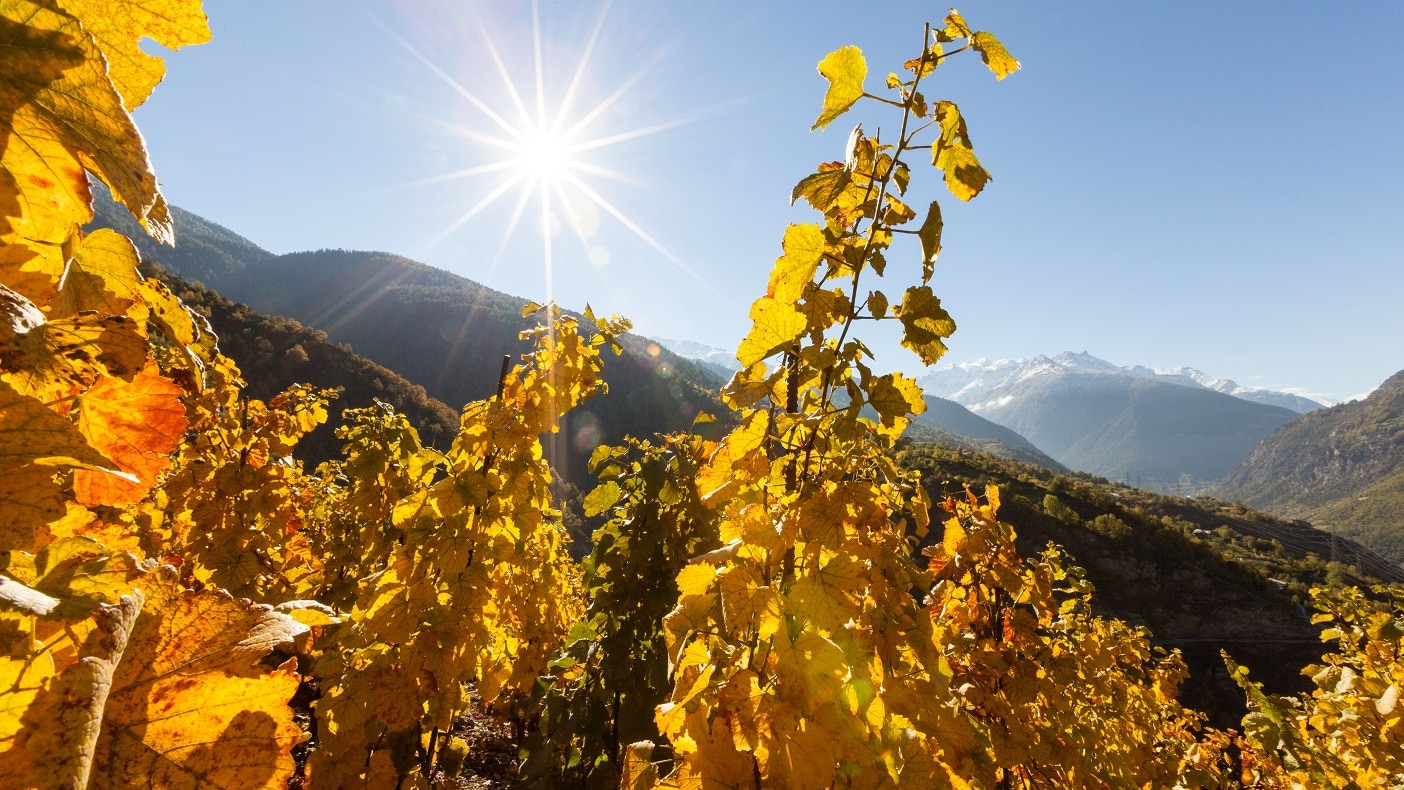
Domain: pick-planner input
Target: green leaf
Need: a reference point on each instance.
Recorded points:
(996, 57)
(602, 498)
(925, 324)
(845, 70)
(930, 235)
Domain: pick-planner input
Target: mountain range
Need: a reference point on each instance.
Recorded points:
(978, 383)
(432, 341)
(1161, 430)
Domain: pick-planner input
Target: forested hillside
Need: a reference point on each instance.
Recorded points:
(1340, 468)
(436, 329)
(1203, 576)
(273, 353)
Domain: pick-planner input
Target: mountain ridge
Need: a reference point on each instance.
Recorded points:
(963, 382)
(1341, 467)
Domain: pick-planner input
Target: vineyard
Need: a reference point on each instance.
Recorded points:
(182, 604)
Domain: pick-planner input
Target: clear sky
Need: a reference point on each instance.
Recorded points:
(1214, 185)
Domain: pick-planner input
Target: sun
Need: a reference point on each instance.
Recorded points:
(540, 150)
(543, 155)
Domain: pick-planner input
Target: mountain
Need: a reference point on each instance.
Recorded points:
(966, 382)
(1200, 574)
(274, 353)
(951, 424)
(1342, 468)
(436, 329)
(1124, 423)
(944, 422)
(719, 359)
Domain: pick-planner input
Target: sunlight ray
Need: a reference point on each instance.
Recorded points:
(600, 142)
(571, 217)
(507, 81)
(540, 70)
(563, 109)
(608, 101)
(487, 200)
(517, 211)
(546, 243)
(490, 167)
(640, 232)
(450, 81)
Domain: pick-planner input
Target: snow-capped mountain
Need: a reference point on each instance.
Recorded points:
(981, 383)
(1170, 430)
(718, 357)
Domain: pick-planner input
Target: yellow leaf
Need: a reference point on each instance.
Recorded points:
(80, 571)
(191, 705)
(58, 358)
(136, 424)
(64, 117)
(162, 689)
(638, 771)
(695, 579)
(996, 57)
(805, 759)
(750, 603)
(895, 396)
(953, 154)
(804, 247)
(821, 189)
(930, 236)
(119, 27)
(103, 277)
(670, 715)
(34, 444)
(776, 325)
(925, 324)
(954, 540)
(51, 703)
(845, 70)
(955, 27)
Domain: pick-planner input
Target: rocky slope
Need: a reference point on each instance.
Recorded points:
(1342, 468)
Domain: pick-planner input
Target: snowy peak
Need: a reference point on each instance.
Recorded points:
(689, 349)
(983, 384)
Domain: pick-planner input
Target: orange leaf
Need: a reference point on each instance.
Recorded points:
(136, 424)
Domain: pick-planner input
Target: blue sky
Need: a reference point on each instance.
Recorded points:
(1192, 183)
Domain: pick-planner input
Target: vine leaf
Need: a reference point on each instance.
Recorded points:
(996, 57)
(64, 117)
(35, 443)
(804, 246)
(953, 154)
(191, 705)
(776, 325)
(136, 424)
(930, 236)
(925, 324)
(162, 689)
(894, 396)
(119, 27)
(845, 70)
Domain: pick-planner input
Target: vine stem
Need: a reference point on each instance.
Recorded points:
(903, 142)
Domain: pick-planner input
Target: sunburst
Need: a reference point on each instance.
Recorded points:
(539, 150)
